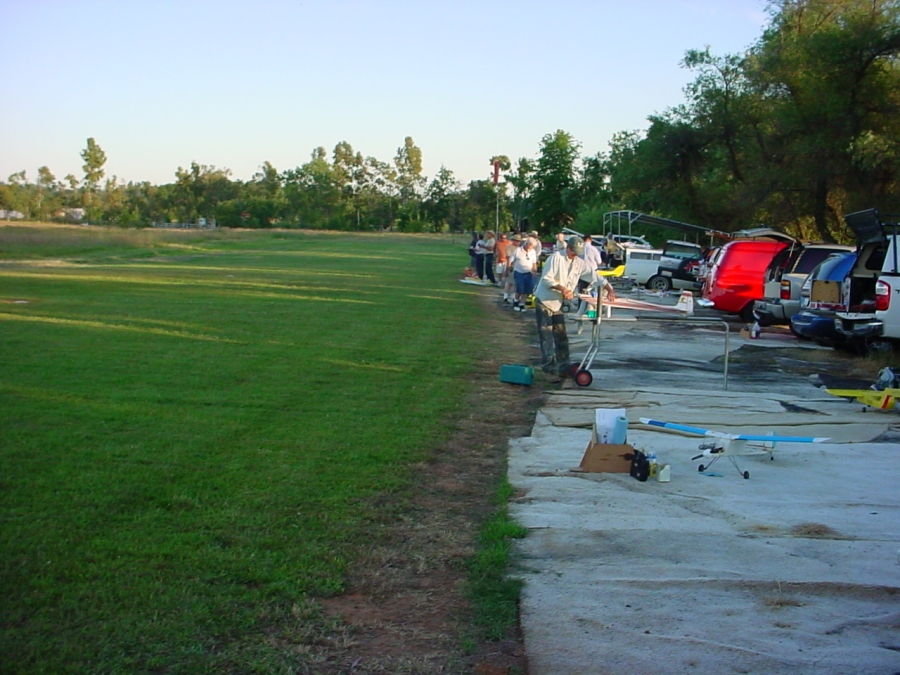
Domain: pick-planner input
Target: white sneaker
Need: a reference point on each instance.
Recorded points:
(505, 297)
(517, 308)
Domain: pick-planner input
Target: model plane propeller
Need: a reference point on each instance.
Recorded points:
(731, 445)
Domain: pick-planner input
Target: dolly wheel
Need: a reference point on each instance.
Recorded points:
(701, 468)
(573, 369)
(583, 378)
(746, 475)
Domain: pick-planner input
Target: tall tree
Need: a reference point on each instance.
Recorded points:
(408, 162)
(440, 199)
(522, 181)
(554, 182)
(94, 159)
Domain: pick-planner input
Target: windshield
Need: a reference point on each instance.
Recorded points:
(677, 249)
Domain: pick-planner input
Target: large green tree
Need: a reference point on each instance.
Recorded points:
(554, 198)
(829, 69)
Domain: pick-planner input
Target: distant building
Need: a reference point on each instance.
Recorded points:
(11, 215)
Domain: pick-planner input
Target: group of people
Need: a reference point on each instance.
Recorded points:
(569, 269)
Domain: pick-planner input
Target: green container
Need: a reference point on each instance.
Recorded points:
(515, 374)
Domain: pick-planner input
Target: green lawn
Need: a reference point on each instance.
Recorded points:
(194, 429)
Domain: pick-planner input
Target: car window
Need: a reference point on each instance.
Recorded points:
(778, 264)
(824, 269)
(875, 261)
(812, 257)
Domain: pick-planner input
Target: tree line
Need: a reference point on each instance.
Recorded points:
(801, 128)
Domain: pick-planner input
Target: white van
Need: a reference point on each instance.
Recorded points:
(641, 264)
(873, 285)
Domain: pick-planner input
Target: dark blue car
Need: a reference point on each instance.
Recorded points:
(815, 320)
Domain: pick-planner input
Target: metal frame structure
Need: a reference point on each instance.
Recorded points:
(616, 219)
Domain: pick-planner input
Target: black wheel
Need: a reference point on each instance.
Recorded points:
(659, 283)
(583, 378)
(701, 468)
(573, 369)
(860, 346)
(746, 313)
(746, 475)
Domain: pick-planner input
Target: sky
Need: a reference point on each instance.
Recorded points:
(234, 83)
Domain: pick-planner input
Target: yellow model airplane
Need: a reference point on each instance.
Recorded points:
(871, 398)
(615, 272)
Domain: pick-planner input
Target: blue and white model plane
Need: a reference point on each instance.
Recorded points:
(732, 445)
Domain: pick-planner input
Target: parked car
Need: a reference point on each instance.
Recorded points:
(822, 294)
(679, 265)
(735, 279)
(784, 277)
(873, 315)
(641, 264)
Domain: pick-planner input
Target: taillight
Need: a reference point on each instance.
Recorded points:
(785, 290)
(882, 296)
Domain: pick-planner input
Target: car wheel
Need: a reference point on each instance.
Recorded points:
(746, 313)
(659, 283)
(860, 346)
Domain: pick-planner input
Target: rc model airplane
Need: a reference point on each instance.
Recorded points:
(870, 398)
(732, 445)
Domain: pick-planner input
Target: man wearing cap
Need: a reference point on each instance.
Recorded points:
(524, 265)
(559, 279)
(538, 247)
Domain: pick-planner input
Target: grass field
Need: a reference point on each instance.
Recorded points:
(198, 430)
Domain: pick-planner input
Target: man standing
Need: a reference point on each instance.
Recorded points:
(524, 264)
(591, 254)
(559, 279)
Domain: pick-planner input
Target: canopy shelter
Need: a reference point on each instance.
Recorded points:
(613, 222)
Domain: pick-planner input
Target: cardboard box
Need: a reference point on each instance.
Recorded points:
(603, 457)
(825, 291)
(607, 458)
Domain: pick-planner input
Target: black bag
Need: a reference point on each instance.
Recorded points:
(640, 466)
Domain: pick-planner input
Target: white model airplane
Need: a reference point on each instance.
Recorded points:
(732, 445)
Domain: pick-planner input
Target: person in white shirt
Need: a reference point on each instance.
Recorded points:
(560, 244)
(592, 254)
(524, 264)
(559, 280)
(538, 247)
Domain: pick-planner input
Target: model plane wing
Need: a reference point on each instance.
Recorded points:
(733, 437)
(884, 400)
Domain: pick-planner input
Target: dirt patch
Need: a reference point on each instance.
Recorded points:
(815, 531)
(406, 611)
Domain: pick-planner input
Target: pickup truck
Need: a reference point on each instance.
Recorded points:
(663, 269)
(873, 285)
(679, 264)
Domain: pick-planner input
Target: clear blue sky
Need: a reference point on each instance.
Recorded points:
(234, 83)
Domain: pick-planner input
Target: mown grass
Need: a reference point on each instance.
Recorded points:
(199, 431)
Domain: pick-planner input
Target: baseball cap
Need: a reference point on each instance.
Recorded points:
(576, 244)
